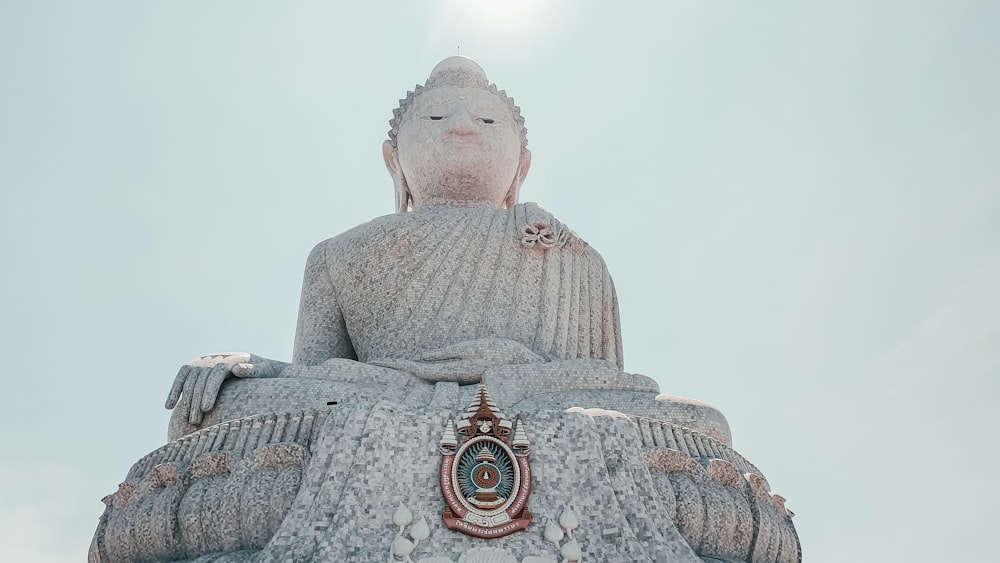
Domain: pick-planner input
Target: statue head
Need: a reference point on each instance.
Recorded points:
(457, 140)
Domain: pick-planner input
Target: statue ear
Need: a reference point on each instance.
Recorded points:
(391, 156)
(515, 187)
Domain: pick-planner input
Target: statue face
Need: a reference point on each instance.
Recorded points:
(460, 146)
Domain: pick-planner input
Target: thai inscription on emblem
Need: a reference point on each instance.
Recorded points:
(485, 476)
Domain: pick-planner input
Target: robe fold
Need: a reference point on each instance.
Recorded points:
(405, 285)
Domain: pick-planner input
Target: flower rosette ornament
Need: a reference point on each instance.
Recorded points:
(540, 233)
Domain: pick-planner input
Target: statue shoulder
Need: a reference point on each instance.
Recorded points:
(357, 239)
(535, 214)
(540, 226)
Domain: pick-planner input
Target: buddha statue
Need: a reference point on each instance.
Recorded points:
(403, 320)
(461, 281)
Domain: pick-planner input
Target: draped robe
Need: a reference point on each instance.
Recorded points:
(404, 285)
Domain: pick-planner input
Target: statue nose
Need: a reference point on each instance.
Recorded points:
(461, 123)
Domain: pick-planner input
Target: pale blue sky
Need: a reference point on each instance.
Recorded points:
(799, 202)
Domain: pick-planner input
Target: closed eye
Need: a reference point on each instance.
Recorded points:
(435, 117)
(486, 120)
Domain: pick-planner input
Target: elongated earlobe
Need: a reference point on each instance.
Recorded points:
(391, 156)
(515, 188)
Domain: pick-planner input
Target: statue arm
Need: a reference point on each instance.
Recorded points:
(321, 332)
(321, 335)
(612, 337)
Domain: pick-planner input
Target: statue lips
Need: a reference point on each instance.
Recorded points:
(463, 137)
(469, 146)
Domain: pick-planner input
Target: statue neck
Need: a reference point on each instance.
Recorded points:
(439, 203)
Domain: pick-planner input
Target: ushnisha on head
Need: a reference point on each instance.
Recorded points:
(457, 141)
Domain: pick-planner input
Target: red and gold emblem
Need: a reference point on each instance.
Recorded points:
(485, 476)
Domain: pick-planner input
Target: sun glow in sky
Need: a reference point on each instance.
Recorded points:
(511, 19)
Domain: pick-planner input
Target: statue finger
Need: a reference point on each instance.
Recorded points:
(183, 407)
(185, 403)
(177, 387)
(197, 390)
(212, 385)
(451, 352)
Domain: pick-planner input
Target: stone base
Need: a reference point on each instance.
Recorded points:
(323, 485)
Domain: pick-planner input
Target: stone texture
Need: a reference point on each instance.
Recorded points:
(334, 456)
(635, 502)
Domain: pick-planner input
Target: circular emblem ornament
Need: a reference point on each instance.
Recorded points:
(485, 473)
(485, 476)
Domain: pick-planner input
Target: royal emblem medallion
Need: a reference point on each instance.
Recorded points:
(485, 476)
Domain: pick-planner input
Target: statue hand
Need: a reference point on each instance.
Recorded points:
(197, 384)
(485, 351)
(463, 362)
